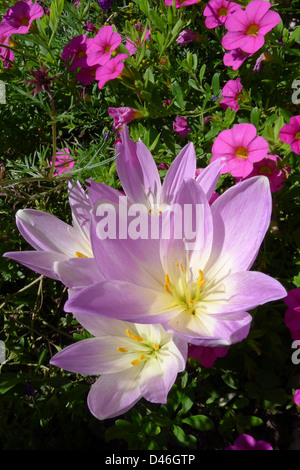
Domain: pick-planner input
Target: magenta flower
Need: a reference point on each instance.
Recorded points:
(132, 360)
(217, 11)
(89, 27)
(200, 290)
(123, 115)
(112, 69)
(246, 442)
(53, 240)
(75, 52)
(132, 45)
(187, 36)
(241, 148)
(63, 161)
(268, 167)
(181, 126)
(297, 397)
(6, 54)
(292, 315)
(207, 356)
(87, 75)
(100, 48)
(290, 134)
(235, 58)
(231, 94)
(181, 3)
(247, 28)
(20, 16)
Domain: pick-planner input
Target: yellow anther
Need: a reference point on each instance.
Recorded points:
(167, 279)
(201, 281)
(155, 346)
(167, 289)
(241, 152)
(200, 275)
(181, 267)
(80, 255)
(142, 357)
(133, 336)
(136, 362)
(252, 30)
(123, 350)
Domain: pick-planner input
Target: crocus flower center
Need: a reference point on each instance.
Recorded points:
(186, 291)
(241, 152)
(80, 255)
(223, 11)
(143, 349)
(265, 170)
(297, 136)
(252, 30)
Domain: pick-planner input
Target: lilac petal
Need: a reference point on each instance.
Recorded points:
(101, 326)
(77, 272)
(99, 191)
(239, 233)
(114, 394)
(47, 233)
(80, 207)
(137, 170)
(121, 300)
(209, 177)
(184, 166)
(39, 261)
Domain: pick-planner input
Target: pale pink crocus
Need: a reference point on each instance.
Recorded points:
(290, 134)
(180, 3)
(101, 47)
(188, 36)
(19, 17)
(132, 360)
(111, 70)
(181, 126)
(217, 11)
(231, 94)
(241, 148)
(75, 52)
(247, 442)
(235, 58)
(207, 356)
(123, 115)
(247, 28)
(268, 167)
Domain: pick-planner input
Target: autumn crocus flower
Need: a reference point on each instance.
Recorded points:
(231, 94)
(181, 126)
(20, 16)
(290, 134)
(247, 442)
(132, 360)
(123, 115)
(247, 28)
(100, 48)
(268, 167)
(241, 147)
(200, 291)
(217, 11)
(75, 52)
(112, 69)
(54, 240)
(181, 3)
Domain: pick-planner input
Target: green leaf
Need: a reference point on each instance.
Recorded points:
(199, 422)
(156, 20)
(182, 438)
(215, 84)
(254, 117)
(178, 93)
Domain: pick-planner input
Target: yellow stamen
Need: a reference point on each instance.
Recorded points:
(80, 255)
(133, 336)
(181, 267)
(252, 30)
(167, 289)
(123, 350)
(107, 49)
(223, 11)
(167, 279)
(136, 362)
(155, 346)
(297, 136)
(265, 170)
(241, 152)
(142, 357)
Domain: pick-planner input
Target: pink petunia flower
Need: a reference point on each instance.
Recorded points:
(100, 48)
(268, 167)
(6, 54)
(75, 52)
(123, 115)
(187, 36)
(206, 355)
(181, 3)
(217, 11)
(231, 94)
(132, 45)
(235, 58)
(86, 75)
(20, 16)
(297, 397)
(63, 161)
(292, 315)
(241, 147)
(290, 134)
(181, 126)
(246, 442)
(247, 28)
(110, 70)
